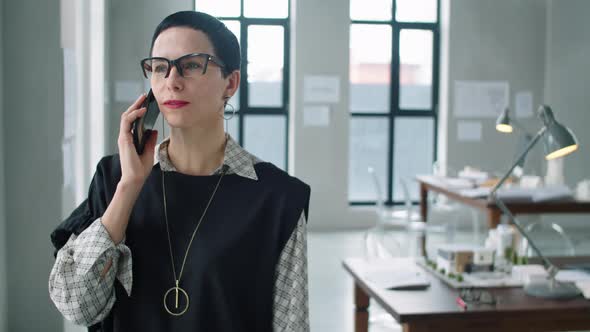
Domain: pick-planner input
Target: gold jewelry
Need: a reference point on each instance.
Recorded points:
(177, 289)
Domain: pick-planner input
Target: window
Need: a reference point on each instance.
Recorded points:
(261, 120)
(394, 47)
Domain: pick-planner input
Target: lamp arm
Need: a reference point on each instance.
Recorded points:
(518, 161)
(521, 127)
(551, 269)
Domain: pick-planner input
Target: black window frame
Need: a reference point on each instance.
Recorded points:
(245, 110)
(394, 108)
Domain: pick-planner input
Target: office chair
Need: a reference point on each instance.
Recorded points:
(537, 227)
(397, 232)
(380, 240)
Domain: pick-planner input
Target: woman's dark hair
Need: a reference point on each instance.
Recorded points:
(225, 43)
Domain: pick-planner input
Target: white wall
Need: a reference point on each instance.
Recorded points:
(500, 40)
(568, 78)
(3, 247)
(32, 131)
(566, 88)
(320, 44)
(540, 46)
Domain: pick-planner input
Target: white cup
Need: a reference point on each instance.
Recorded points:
(583, 190)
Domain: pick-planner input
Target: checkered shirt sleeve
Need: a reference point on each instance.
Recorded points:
(75, 283)
(291, 305)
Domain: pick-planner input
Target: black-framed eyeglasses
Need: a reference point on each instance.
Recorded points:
(189, 65)
(477, 296)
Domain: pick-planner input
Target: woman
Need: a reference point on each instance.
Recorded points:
(205, 238)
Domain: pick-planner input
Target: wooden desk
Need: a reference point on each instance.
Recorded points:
(435, 309)
(432, 183)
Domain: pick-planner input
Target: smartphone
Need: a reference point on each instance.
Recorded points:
(142, 127)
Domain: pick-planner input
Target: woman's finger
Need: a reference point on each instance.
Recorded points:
(127, 119)
(136, 104)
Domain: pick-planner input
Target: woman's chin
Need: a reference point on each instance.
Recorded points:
(184, 122)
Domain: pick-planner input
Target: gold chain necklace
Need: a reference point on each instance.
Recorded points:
(177, 289)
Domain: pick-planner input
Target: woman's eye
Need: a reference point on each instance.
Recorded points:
(192, 65)
(160, 69)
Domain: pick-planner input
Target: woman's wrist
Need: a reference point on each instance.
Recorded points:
(130, 186)
(116, 217)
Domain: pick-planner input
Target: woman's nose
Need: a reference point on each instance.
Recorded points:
(174, 79)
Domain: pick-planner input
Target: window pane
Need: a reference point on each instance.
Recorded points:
(265, 66)
(416, 11)
(370, 64)
(266, 8)
(233, 125)
(234, 26)
(368, 148)
(219, 8)
(415, 69)
(265, 136)
(413, 153)
(378, 10)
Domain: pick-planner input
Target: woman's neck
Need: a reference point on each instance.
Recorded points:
(196, 152)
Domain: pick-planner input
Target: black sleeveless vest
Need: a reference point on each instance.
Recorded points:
(230, 269)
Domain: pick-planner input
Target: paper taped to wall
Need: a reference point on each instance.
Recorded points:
(479, 99)
(523, 103)
(469, 131)
(321, 89)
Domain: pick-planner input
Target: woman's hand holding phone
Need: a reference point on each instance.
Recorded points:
(135, 168)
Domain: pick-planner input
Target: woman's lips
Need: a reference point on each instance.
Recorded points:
(176, 103)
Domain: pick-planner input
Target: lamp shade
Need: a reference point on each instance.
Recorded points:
(559, 140)
(503, 124)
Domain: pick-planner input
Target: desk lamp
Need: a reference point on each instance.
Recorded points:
(505, 124)
(558, 141)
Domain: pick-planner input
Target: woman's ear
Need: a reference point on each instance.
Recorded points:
(233, 83)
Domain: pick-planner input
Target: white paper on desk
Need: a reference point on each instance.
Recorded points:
(321, 89)
(476, 192)
(387, 279)
(457, 183)
(480, 99)
(469, 131)
(523, 102)
(572, 276)
(516, 194)
(316, 116)
(552, 193)
(584, 286)
(542, 194)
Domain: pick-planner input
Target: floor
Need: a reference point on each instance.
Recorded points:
(331, 301)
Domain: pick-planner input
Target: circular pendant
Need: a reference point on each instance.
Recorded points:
(179, 304)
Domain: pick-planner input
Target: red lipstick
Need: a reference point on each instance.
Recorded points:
(172, 103)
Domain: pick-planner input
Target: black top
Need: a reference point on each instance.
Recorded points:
(229, 273)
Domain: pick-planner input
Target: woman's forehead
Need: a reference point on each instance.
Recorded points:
(178, 41)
